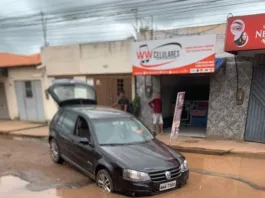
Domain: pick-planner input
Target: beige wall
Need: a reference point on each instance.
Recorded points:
(95, 58)
(22, 74)
(85, 60)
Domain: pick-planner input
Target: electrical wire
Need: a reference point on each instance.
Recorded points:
(158, 7)
(66, 21)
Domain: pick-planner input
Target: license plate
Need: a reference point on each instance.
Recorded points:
(167, 185)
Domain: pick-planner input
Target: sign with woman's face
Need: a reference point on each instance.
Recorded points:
(245, 33)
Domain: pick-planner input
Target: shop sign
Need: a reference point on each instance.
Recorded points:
(198, 113)
(183, 55)
(245, 33)
(177, 115)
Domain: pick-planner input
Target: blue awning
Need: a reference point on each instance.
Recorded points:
(219, 62)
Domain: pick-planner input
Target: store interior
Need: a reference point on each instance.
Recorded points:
(195, 109)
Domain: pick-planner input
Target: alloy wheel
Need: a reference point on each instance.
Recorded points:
(104, 183)
(54, 150)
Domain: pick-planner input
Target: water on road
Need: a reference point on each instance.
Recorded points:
(211, 176)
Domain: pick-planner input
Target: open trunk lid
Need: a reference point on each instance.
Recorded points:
(72, 92)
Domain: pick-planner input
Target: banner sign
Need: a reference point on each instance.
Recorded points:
(184, 55)
(177, 115)
(245, 33)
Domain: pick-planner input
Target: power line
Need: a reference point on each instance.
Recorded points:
(169, 13)
(148, 7)
(116, 16)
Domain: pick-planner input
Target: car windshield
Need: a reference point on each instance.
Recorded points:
(121, 131)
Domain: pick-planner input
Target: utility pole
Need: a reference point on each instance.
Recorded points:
(44, 28)
(152, 27)
(136, 20)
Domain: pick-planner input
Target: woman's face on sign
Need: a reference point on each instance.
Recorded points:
(244, 36)
(237, 28)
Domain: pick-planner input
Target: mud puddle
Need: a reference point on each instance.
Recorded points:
(210, 176)
(14, 187)
(203, 186)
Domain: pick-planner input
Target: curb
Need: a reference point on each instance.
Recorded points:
(3, 134)
(11, 133)
(16, 130)
(219, 152)
(178, 148)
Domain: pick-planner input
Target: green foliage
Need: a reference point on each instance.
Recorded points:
(136, 105)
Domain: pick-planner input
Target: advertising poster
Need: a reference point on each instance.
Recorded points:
(177, 115)
(245, 33)
(184, 55)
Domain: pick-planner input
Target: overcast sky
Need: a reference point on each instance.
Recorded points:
(83, 21)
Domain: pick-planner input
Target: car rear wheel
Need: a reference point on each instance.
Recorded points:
(55, 152)
(104, 181)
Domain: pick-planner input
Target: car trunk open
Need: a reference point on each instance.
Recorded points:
(72, 92)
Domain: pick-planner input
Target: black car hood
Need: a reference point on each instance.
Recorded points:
(147, 157)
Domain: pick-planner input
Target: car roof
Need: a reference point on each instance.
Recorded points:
(98, 112)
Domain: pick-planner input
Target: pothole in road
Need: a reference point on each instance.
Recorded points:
(14, 187)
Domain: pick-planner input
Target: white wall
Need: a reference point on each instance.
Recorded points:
(94, 58)
(22, 74)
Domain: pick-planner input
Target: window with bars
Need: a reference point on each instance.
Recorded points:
(28, 89)
(120, 85)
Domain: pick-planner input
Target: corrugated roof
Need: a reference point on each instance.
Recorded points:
(14, 60)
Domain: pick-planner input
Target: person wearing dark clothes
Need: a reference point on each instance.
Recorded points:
(122, 101)
(156, 105)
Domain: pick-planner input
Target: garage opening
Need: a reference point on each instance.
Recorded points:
(195, 109)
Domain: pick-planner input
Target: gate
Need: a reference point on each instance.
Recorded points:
(3, 103)
(255, 126)
(29, 100)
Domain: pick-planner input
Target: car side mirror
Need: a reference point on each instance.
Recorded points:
(83, 141)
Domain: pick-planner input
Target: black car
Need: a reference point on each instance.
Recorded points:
(110, 146)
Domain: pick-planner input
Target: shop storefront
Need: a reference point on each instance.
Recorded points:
(245, 36)
(174, 65)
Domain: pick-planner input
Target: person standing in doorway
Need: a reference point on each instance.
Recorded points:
(122, 101)
(156, 105)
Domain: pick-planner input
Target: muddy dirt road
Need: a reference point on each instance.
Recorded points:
(30, 160)
(27, 171)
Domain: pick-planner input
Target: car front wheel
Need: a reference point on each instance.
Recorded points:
(55, 152)
(104, 181)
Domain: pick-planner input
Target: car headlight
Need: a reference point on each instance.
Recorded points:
(135, 175)
(184, 166)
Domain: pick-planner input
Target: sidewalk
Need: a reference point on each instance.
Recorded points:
(215, 147)
(183, 144)
(11, 127)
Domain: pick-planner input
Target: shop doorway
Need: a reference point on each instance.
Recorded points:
(255, 127)
(109, 86)
(195, 110)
